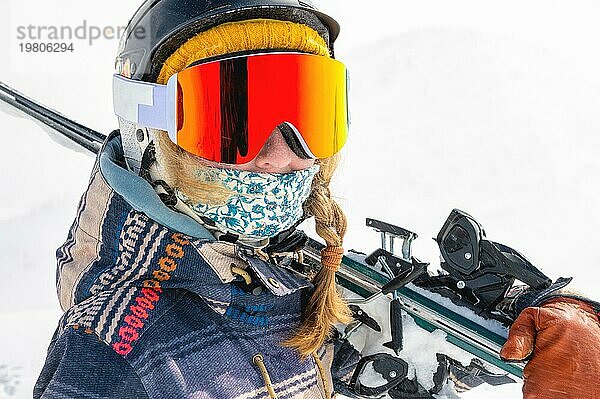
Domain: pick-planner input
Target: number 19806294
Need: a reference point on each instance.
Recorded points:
(46, 47)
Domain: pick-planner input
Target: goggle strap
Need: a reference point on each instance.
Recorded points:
(146, 104)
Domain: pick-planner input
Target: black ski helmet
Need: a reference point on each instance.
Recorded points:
(159, 27)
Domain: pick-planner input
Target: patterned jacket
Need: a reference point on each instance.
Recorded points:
(155, 308)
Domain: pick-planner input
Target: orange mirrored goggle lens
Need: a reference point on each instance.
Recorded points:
(227, 109)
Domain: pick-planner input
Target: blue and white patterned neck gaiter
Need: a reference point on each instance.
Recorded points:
(261, 205)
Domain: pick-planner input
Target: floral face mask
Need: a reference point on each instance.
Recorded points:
(261, 205)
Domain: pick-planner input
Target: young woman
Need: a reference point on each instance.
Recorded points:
(179, 275)
(176, 276)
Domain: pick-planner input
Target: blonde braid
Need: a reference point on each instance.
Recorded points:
(325, 306)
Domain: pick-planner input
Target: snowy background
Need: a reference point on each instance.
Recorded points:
(488, 106)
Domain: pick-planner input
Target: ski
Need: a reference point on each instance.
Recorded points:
(87, 138)
(461, 301)
(428, 310)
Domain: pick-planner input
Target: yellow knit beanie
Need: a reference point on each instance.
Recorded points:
(252, 34)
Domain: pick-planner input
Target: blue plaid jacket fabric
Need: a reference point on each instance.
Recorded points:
(153, 310)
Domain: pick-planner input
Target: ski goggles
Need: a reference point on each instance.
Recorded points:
(225, 110)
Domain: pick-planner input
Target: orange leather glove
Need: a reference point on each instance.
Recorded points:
(562, 340)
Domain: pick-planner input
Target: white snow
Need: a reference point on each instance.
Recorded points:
(371, 378)
(491, 107)
(490, 324)
(419, 346)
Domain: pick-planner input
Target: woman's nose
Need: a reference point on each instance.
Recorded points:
(275, 156)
